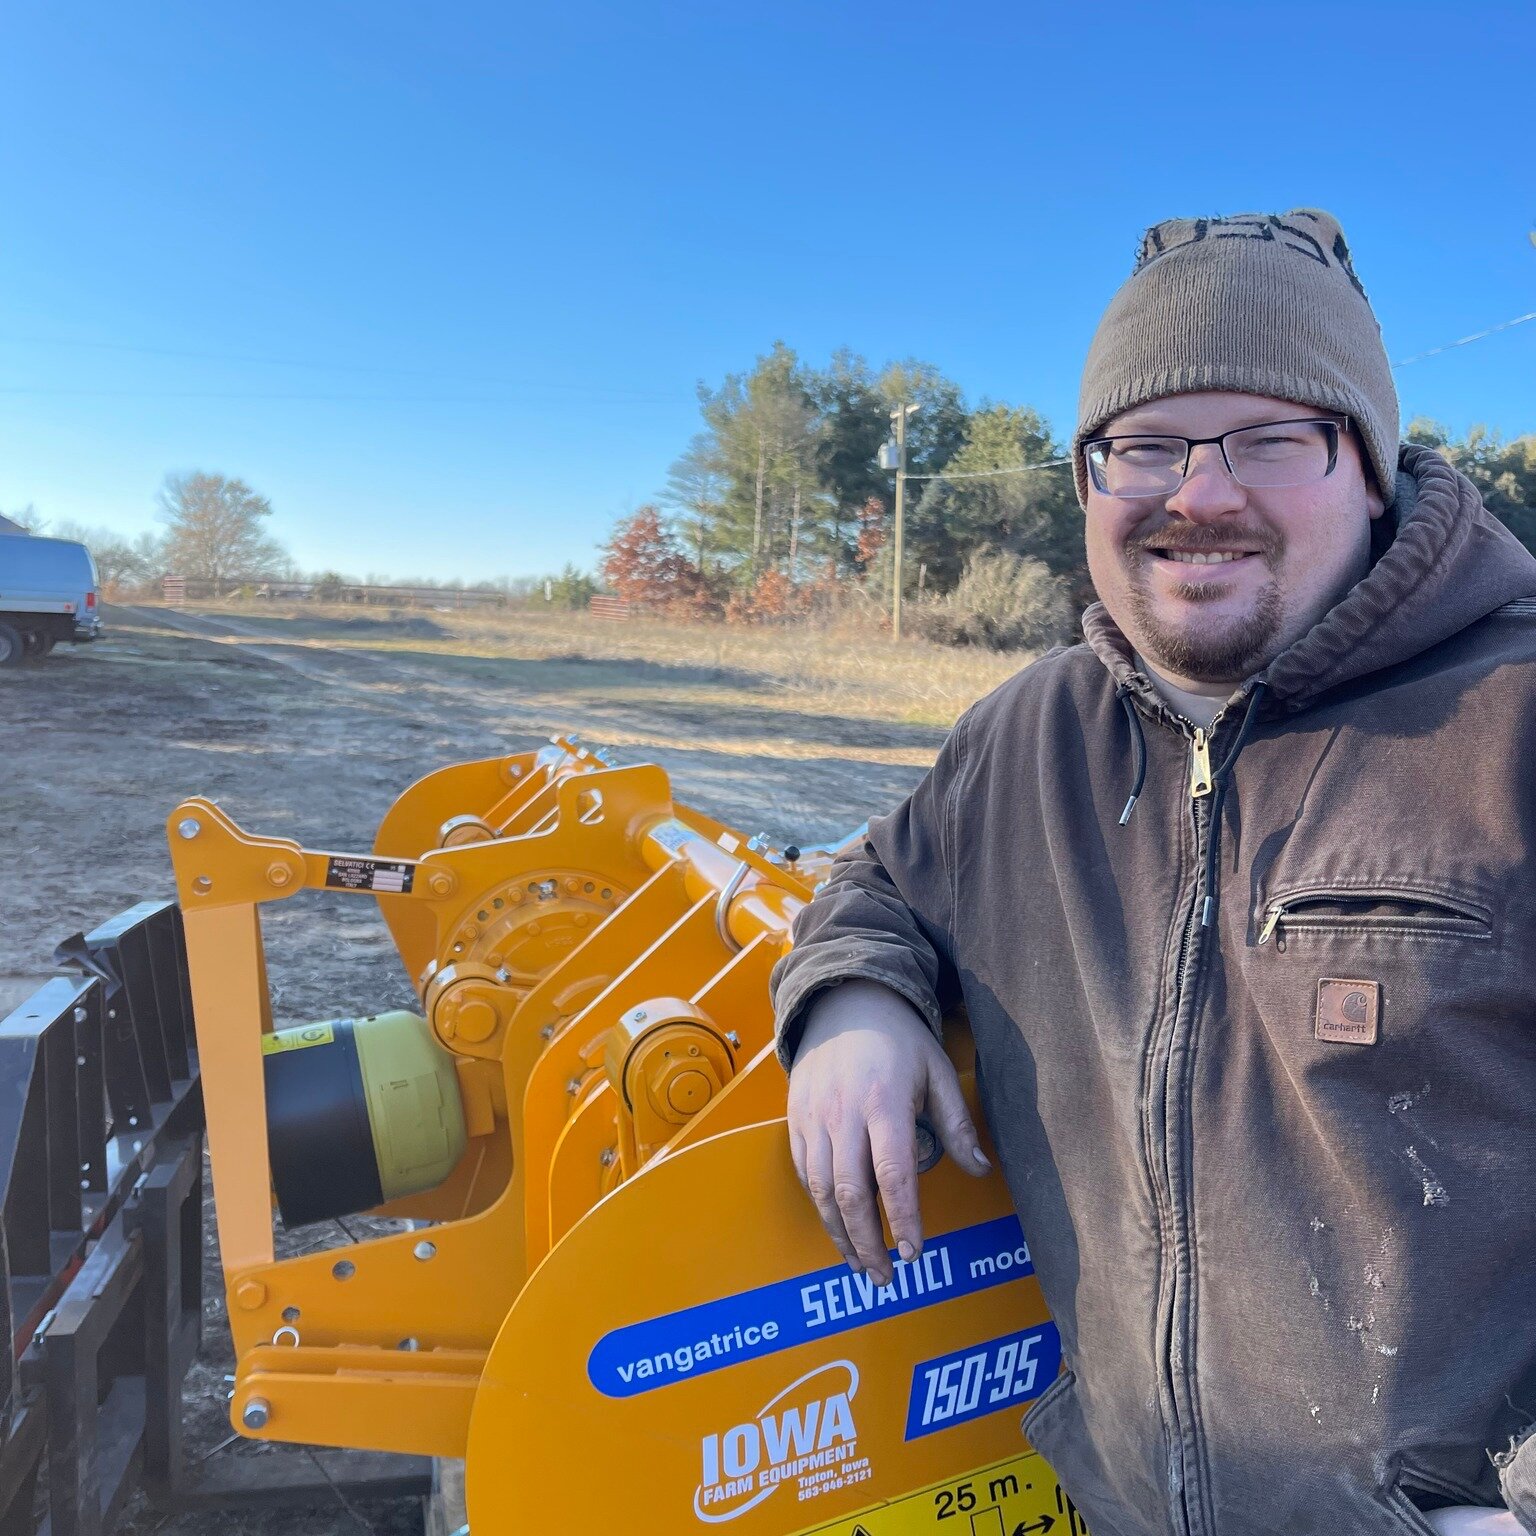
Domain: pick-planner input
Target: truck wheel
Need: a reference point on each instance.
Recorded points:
(11, 646)
(36, 645)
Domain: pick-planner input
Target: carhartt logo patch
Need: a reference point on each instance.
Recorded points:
(1349, 1012)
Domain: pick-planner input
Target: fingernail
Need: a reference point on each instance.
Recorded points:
(981, 1157)
(906, 1250)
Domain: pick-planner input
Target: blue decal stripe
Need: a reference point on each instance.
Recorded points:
(659, 1351)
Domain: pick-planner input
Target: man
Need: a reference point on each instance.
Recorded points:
(1236, 897)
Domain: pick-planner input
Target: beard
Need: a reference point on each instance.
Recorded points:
(1220, 650)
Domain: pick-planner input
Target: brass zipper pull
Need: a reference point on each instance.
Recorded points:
(1200, 766)
(1271, 922)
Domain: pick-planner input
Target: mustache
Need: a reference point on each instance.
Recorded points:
(1203, 538)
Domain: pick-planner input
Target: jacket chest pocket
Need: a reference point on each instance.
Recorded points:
(1386, 912)
(1394, 964)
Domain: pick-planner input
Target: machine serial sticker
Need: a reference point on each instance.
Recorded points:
(1012, 1498)
(297, 1039)
(673, 834)
(391, 876)
(970, 1383)
(803, 1309)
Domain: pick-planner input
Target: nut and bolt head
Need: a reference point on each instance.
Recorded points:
(477, 1020)
(639, 1015)
(250, 1294)
(733, 1040)
(188, 827)
(425, 1251)
(440, 883)
(278, 874)
(608, 1156)
(256, 1413)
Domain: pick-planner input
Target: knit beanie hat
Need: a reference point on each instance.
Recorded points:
(1264, 304)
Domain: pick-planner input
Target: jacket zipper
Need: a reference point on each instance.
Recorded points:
(1185, 973)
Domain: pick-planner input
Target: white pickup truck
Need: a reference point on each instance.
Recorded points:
(48, 593)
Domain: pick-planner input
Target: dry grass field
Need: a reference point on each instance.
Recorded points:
(846, 669)
(306, 722)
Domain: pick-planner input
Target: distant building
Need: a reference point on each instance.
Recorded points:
(7, 526)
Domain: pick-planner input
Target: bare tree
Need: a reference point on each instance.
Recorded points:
(216, 530)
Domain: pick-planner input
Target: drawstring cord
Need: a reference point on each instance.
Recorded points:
(1219, 782)
(1138, 748)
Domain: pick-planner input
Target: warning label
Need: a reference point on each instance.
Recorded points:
(297, 1039)
(388, 876)
(1013, 1498)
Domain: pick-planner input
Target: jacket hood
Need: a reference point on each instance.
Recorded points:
(1451, 562)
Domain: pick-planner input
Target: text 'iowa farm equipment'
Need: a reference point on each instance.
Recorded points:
(611, 1297)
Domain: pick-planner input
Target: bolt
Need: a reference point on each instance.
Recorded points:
(573, 1087)
(547, 1033)
(250, 1294)
(409, 1345)
(440, 883)
(425, 1251)
(256, 1413)
(639, 1015)
(607, 1157)
(291, 1314)
(343, 1269)
(189, 827)
(278, 874)
(477, 1020)
(80, 1018)
(504, 976)
(202, 885)
(733, 1040)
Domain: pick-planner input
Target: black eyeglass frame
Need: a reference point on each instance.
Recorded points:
(1338, 428)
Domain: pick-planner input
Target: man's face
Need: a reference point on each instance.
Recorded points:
(1298, 549)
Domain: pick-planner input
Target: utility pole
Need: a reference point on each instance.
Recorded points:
(894, 456)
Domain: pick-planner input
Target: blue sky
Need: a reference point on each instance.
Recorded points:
(441, 281)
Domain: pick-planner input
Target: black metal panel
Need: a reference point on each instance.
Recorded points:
(168, 1210)
(43, 1124)
(94, 1362)
(101, 1183)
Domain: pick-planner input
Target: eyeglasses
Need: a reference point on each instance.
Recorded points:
(1265, 457)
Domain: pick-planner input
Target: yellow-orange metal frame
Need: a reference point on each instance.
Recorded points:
(597, 959)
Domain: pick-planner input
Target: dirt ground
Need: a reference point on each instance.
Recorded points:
(308, 727)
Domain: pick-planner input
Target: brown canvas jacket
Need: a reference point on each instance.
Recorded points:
(1278, 1173)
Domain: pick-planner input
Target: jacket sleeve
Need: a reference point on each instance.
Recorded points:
(886, 912)
(1517, 1476)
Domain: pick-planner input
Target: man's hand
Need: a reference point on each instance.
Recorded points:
(867, 1066)
(1471, 1520)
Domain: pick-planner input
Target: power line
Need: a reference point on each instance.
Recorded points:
(1493, 330)
(982, 474)
(372, 370)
